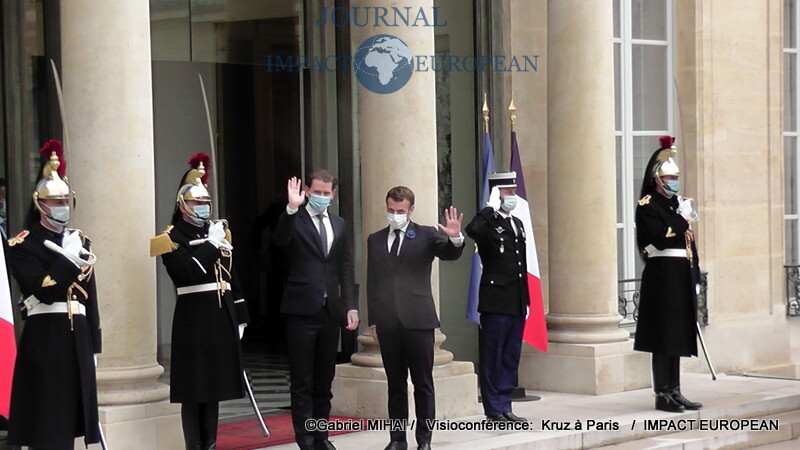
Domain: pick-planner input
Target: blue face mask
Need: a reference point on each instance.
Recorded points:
(203, 212)
(509, 203)
(318, 202)
(671, 187)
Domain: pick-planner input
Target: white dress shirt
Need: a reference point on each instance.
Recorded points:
(326, 219)
(458, 241)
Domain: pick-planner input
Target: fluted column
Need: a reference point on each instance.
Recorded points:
(583, 319)
(397, 141)
(109, 113)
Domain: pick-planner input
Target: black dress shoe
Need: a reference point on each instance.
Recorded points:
(665, 402)
(394, 445)
(688, 404)
(497, 418)
(324, 445)
(514, 418)
(425, 446)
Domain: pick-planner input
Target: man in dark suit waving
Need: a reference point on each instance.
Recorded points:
(317, 299)
(401, 309)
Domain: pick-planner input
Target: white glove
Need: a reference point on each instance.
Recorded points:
(241, 330)
(74, 259)
(72, 242)
(494, 199)
(217, 230)
(686, 210)
(223, 244)
(216, 235)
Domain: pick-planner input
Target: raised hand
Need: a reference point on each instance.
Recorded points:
(296, 195)
(452, 219)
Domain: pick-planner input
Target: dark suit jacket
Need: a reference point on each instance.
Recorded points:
(399, 289)
(310, 274)
(504, 281)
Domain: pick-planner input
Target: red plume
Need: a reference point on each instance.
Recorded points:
(195, 161)
(666, 141)
(51, 146)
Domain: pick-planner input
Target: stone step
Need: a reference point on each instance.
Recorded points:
(633, 431)
(788, 429)
(626, 419)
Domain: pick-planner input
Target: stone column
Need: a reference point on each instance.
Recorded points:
(398, 147)
(586, 342)
(109, 113)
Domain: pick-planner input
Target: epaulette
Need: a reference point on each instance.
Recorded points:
(162, 243)
(644, 200)
(18, 239)
(228, 236)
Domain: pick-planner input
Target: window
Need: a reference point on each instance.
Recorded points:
(644, 96)
(790, 130)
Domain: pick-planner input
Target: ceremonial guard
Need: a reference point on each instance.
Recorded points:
(210, 313)
(503, 296)
(54, 392)
(668, 304)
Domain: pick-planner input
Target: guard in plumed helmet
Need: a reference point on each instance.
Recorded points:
(210, 312)
(668, 302)
(503, 296)
(54, 391)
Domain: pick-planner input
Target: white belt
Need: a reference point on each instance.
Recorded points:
(207, 287)
(55, 308)
(653, 252)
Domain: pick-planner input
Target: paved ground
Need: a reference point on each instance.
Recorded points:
(729, 396)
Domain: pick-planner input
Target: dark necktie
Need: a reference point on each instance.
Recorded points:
(323, 235)
(511, 224)
(395, 245)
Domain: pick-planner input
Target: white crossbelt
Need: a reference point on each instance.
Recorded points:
(56, 308)
(207, 287)
(653, 252)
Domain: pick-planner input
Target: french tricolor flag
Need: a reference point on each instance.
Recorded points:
(535, 332)
(8, 343)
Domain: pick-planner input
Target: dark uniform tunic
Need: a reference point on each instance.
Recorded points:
(54, 392)
(504, 283)
(503, 302)
(668, 301)
(206, 363)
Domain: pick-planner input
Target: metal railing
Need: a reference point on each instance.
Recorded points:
(628, 299)
(792, 290)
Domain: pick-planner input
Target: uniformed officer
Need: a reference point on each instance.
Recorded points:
(668, 301)
(54, 391)
(210, 313)
(503, 296)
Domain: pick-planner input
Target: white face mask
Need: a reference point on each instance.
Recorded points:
(509, 202)
(396, 221)
(58, 216)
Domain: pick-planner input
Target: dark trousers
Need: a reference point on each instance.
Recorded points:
(403, 350)
(199, 422)
(312, 342)
(500, 344)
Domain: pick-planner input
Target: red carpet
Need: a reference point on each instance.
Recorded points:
(247, 435)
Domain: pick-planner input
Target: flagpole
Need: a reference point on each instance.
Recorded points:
(512, 113)
(485, 114)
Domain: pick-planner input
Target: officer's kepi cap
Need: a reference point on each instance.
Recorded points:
(502, 180)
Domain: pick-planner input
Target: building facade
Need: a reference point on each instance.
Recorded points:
(607, 77)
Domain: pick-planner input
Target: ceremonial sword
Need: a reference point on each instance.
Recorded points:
(705, 352)
(62, 110)
(215, 185)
